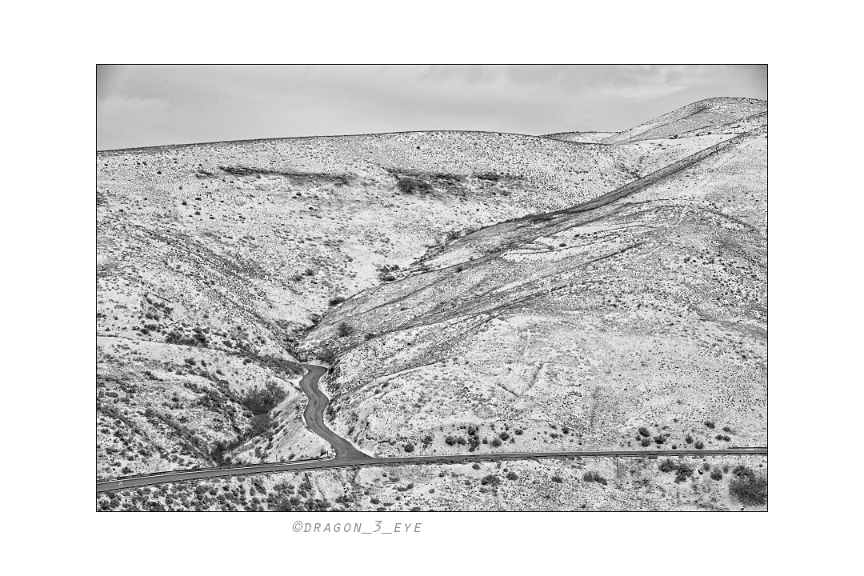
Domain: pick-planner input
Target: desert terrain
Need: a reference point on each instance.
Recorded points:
(471, 292)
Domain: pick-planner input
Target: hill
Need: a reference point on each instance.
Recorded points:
(645, 309)
(469, 286)
(711, 115)
(213, 260)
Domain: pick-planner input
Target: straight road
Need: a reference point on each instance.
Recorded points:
(345, 462)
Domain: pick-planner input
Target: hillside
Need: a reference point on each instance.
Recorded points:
(584, 137)
(573, 329)
(474, 291)
(705, 116)
(214, 259)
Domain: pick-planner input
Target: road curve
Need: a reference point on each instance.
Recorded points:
(347, 455)
(314, 414)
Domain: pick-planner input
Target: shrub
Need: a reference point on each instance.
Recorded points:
(512, 476)
(410, 185)
(716, 474)
(260, 400)
(689, 439)
(260, 423)
(709, 424)
(660, 439)
(643, 431)
(700, 445)
(327, 355)
(504, 435)
(344, 329)
(475, 466)
(450, 440)
(336, 300)
(594, 477)
(684, 471)
(427, 440)
(727, 429)
(491, 479)
(518, 431)
(409, 447)
(749, 488)
(496, 442)
(646, 442)
(557, 479)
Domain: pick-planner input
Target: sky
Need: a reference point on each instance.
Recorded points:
(155, 105)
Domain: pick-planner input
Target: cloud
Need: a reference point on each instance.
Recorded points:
(149, 105)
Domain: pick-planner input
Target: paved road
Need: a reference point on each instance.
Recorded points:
(369, 461)
(347, 455)
(314, 414)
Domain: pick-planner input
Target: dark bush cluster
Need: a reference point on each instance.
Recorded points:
(327, 355)
(491, 480)
(336, 300)
(748, 487)
(344, 329)
(260, 400)
(682, 470)
(591, 476)
(411, 185)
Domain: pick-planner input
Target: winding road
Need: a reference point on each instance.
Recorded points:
(347, 455)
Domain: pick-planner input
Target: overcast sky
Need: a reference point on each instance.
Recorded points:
(152, 105)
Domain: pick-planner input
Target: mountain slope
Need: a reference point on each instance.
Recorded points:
(575, 328)
(709, 114)
(214, 262)
(214, 259)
